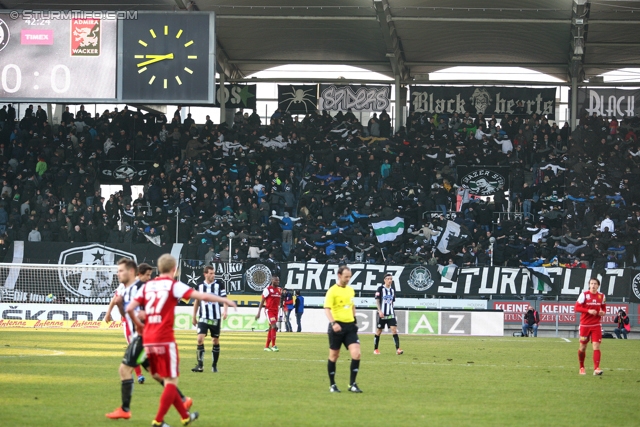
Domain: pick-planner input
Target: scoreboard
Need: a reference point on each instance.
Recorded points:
(140, 57)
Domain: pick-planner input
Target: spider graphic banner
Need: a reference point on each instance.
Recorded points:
(298, 99)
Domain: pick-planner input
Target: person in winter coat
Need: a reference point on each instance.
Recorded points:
(530, 319)
(624, 327)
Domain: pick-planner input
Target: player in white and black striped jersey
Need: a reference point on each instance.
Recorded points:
(385, 297)
(208, 316)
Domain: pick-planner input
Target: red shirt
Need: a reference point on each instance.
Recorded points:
(159, 297)
(271, 296)
(590, 301)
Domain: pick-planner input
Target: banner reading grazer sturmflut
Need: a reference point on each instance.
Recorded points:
(358, 98)
(608, 102)
(487, 100)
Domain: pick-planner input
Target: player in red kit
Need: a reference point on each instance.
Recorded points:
(159, 297)
(271, 301)
(592, 306)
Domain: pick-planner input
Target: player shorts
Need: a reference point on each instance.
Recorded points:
(163, 359)
(272, 316)
(347, 336)
(382, 322)
(135, 355)
(593, 333)
(209, 326)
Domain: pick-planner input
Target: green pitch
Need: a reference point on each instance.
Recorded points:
(59, 378)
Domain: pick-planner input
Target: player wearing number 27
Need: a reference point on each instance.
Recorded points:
(591, 305)
(159, 297)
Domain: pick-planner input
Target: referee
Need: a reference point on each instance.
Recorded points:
(339, 308)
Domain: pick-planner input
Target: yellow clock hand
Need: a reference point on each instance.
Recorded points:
(155, 58)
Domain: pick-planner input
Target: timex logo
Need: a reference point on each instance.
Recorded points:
(37, 37)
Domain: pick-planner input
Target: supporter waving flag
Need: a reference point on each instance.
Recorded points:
(388, 231)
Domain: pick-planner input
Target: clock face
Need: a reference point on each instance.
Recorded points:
(165, 58)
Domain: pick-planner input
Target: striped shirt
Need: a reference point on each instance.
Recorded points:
(387, 296)
(211, 310)
(128, 294)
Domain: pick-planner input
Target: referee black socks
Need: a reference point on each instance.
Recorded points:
(126, 390)
(200, 354)
(376, 341)
(355, 367)
(396, 339)
(331, 367)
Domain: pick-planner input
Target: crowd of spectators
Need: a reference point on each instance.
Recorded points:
(308, 188)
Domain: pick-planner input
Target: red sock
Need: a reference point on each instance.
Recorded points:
(179, 404)
(269, 337)
(596, 359)
(166, 400)
(273, 337)
(138, 371)
(581, 356)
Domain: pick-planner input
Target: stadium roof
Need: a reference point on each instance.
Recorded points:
(409, 38)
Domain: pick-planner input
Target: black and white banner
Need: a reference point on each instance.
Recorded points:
(484, 180)
(419, 280)
(192, 273)
(236, 96)
(608, 102)
(113, 172)
(78, 273)
(247, 277)
(298, 99)
(358, 98)
(487, 100)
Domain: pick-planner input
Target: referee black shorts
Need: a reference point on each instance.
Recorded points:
(135, 355)
(382, 322)
(212, 327)
(347, 336)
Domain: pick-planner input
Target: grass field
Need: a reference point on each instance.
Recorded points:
(60, 378)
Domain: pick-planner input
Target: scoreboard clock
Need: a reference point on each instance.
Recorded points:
(167, 58)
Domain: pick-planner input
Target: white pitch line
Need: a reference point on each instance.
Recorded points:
(479, 365)
(55, 353)
(566, 340)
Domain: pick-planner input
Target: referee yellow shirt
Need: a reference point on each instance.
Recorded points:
(340, 301)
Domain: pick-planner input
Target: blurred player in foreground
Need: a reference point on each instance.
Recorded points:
(159, 297)
(134, 355)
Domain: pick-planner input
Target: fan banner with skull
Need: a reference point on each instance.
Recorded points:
(487, 100)
(298, 99)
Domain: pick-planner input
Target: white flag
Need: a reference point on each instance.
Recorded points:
(452, 230)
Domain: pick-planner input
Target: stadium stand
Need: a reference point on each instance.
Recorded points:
(309, 189)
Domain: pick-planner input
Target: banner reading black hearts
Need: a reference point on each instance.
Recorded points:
(484, 180)
(608, 102)
(236, 96)
(487, 100)
(358, 98)
(298, 99)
